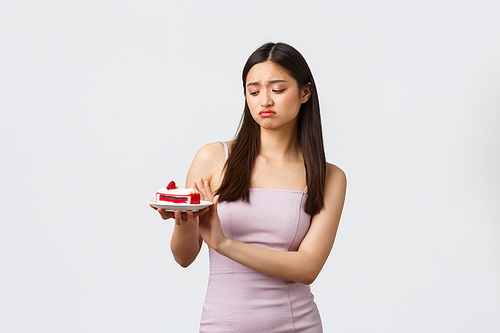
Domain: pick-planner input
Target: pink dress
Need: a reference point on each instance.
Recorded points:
(242, 300)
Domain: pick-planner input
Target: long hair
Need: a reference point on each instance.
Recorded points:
(236, 181)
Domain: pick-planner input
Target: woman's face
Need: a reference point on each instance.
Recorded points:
(273, 96)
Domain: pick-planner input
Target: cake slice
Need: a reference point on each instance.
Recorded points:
(173, 194)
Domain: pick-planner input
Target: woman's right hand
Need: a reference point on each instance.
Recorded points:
(186, 239)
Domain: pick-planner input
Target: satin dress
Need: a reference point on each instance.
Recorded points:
(242, 300)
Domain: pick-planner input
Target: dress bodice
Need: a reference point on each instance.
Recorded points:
(273, 219)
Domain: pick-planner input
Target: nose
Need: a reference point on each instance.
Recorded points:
(266, 99)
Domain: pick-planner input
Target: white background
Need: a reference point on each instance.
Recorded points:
(104, 102)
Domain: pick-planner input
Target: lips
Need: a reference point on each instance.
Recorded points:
(267, 113)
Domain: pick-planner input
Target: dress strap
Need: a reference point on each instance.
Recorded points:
(226, 149)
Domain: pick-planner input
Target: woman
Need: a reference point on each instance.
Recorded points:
(277, 204)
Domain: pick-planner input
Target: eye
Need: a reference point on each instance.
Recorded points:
(253, 93)
(278, 91)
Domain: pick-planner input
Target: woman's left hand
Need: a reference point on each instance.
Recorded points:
(209, 225)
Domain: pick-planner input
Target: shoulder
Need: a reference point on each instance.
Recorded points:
(336, 182)
(334, 198)
(333, 172)
(208, 164)
(210, 152)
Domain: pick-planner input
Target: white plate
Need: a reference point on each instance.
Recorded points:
(170, 207)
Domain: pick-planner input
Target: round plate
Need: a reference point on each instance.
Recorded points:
(170, 207)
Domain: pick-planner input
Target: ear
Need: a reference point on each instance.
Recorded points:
(306, 93)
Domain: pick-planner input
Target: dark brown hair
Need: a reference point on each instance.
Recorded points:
(238, 168)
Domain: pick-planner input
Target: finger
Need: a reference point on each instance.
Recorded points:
(208, 190)
(164, 215)
(200, 187)
(189, 217)
(155, 208)
(215, 201)
(195, 186)
(168, 215)
(178, 217)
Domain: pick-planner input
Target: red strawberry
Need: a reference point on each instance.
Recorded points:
(171, 186)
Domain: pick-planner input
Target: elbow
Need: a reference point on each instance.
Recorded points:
(183, 262)
(308, 277)
(182, 256)
(184, 265)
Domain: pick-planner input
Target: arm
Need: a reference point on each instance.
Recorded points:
(301, 266)
(186, 240)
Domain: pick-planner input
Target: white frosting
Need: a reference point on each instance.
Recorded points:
(179, 191)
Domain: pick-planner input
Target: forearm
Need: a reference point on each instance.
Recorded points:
(185, 243)
(297, 266)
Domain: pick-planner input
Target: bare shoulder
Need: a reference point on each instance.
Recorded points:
(208, 164)
(336, 183)
(210, 152)
(335, 174)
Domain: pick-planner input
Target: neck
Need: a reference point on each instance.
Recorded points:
(282, 143)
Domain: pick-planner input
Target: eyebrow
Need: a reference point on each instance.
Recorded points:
(270, 82)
